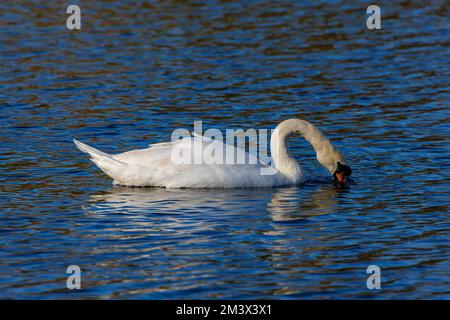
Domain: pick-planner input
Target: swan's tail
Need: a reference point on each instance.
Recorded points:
(104, 161)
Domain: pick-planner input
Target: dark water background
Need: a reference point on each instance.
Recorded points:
(137, 70)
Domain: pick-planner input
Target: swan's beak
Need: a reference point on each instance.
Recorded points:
(342, 173)
(340, 177)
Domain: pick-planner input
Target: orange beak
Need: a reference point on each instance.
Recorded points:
(340, 177)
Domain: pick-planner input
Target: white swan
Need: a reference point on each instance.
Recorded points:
(154, 166)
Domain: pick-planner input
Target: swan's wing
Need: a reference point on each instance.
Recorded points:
(219, 163)
(189, 145)
(211, 151)
(196, 135)
(161, 144)
(158, 165)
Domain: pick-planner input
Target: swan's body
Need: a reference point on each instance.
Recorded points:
(154, 166)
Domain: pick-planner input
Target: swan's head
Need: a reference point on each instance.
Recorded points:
(342, 172)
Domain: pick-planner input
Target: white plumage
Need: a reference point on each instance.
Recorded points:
(155, 166)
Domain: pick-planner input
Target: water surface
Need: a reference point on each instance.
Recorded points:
(137, 70)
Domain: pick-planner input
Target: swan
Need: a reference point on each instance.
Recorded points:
(154, 166)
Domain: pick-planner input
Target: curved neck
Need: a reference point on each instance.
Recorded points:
(326, 153)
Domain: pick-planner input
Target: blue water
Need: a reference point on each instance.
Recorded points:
(139, 69)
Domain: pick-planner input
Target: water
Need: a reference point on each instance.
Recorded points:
(138, 70)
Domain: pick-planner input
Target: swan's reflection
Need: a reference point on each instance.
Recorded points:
(215, 232)
(283, 204)
(177, 201)
(288, 204)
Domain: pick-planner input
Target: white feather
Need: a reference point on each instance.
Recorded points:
(154, 166)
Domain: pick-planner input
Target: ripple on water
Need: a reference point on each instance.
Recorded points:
(382, 97)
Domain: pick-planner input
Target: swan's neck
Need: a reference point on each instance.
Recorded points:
(326, 153)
